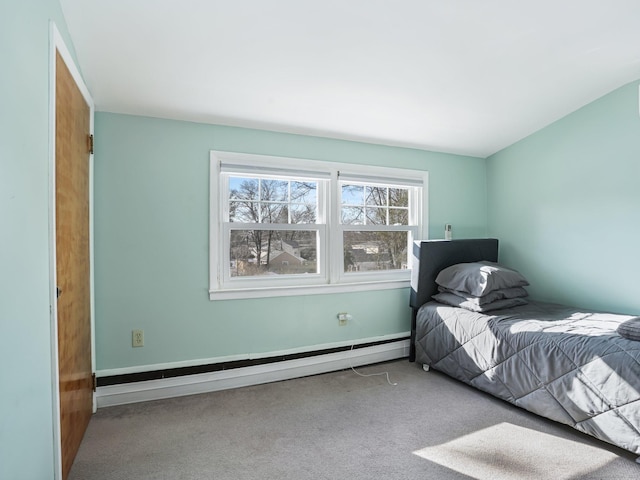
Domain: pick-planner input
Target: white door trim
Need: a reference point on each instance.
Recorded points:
(56, 43)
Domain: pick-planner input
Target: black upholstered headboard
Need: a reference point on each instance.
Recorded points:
(432, 256)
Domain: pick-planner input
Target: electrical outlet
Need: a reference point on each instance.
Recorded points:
(137, 338)
(342, 318)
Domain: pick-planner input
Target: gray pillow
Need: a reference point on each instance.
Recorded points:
(499, 294)
(479, 278)
(456, 301)
(630, 329)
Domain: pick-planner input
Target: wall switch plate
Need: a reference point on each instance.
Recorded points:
(137, 338)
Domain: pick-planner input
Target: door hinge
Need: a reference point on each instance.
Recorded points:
(91, 144)
(94, 381)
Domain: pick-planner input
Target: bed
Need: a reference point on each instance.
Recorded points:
(566, 364)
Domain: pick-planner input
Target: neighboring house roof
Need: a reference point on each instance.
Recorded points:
(283, 256)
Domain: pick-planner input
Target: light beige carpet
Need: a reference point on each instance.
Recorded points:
(342, 426)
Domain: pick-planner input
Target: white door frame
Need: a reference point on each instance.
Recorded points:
(57, 44)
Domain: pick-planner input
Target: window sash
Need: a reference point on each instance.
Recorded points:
(354, 276)
(258, 280)
(321, 198)
(412, 207)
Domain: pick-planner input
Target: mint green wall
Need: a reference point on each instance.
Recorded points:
(26, 411)
(565, 203)
(152, 241)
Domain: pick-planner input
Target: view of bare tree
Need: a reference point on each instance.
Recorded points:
(260, 251)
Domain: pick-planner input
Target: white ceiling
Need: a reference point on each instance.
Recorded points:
(460, 76)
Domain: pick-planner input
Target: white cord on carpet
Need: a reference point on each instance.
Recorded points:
(369, 374)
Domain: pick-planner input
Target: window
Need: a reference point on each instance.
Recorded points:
(284, 226)
(377, 225)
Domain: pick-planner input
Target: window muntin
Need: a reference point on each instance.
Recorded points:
(332, 208)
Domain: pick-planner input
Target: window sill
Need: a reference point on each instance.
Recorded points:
(289, 291)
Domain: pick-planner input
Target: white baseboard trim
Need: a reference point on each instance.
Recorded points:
(242, 377)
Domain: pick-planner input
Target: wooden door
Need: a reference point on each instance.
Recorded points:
(72, 263)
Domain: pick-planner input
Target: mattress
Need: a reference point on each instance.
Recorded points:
(559, 362)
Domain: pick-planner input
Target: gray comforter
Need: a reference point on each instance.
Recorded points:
(564, 364)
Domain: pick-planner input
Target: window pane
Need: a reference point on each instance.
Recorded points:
(244, 188)
(371, 251)
(398, 216)
(274, 213)
(376, 216)
(352, 194)
(303, 213)
(352, 216)
(398, 197)
(273, 252)
(304, 192)
(243, 211)
(376, 196)
(274, 190)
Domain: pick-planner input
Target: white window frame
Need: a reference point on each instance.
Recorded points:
(331, 277)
